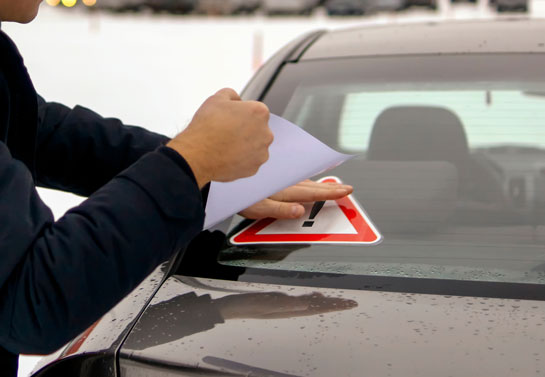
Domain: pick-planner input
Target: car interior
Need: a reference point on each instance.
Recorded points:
(419, 133)
(490, 191)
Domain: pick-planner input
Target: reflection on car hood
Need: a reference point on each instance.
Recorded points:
(260, 329)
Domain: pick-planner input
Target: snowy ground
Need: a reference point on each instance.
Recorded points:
(154, 71)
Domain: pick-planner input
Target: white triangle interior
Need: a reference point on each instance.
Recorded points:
(330, 220)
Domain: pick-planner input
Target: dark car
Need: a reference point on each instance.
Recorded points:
(511, 5)
(224, 7)
(373, 6)
(171, 6)
(293, 7)
(359, 7)
(447, 122)
(119, 5)
(431, 4)
(345, 7)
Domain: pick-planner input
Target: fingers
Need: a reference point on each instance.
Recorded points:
(228, 93)
(259, 109)
(275, 209)
(286, 203)
(324, 185)
(239, 129)
(308, 191)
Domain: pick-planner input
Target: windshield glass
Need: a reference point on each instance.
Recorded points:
(450, 165)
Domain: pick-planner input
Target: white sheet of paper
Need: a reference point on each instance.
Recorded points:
(294, 155)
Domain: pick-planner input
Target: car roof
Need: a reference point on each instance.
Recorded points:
(433, 38)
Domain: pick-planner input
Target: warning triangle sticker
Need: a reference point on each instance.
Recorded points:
(330, 222)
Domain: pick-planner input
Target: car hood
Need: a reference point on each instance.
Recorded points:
(214, 326)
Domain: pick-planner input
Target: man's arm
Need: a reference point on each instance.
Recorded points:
(56, 278)
(79, 151)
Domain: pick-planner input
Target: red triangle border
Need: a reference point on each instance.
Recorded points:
(367, 234)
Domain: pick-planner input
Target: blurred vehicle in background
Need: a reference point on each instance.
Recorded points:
(432, 4)
(303, 7)
(119, 5)
(221, 7)
(274, 7)
(359, 7)
(373, 6)
(171, 6)
(511, 5)
(345, 7)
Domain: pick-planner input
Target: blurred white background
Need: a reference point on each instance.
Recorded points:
(155, 70)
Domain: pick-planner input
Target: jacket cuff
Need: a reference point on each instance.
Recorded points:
(174, 190)
(178, 159)
(182, 163)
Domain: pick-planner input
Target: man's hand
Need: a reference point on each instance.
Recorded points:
(286, 204)
(227, 138)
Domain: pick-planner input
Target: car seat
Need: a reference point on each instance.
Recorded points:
(422, 133)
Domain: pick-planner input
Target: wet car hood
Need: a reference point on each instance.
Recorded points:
(303, 331)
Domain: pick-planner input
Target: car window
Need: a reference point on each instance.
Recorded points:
(450, 166)
(489, 117)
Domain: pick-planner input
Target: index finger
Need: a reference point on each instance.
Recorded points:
(312, 192)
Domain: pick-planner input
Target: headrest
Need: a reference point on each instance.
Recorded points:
(418, 133)
(404, 196)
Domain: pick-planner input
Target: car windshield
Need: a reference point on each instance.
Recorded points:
(450, 165)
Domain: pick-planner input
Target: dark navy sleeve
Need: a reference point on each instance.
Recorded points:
(79, 151)
(57, 278)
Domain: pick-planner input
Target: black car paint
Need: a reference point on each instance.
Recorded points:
(100, 356)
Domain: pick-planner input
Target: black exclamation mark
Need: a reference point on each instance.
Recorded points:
(313, 212)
